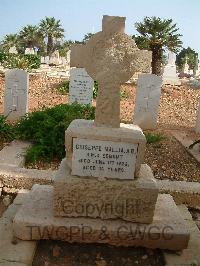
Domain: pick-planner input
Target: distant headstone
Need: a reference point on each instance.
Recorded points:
(197, 127)
(16, 94)
(13, 50)
(147, 101)
(186, 67)
(29, 51)
(80, 86)
(169, 72)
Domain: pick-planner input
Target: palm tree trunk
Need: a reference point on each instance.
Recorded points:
(49, 45)
(156, 59)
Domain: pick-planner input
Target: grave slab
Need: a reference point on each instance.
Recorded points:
(130, 200)
(130, 135)
(21, 252)
(191, 255)
(35, 221)
(185, 139)
(183, 192)
(13, 154)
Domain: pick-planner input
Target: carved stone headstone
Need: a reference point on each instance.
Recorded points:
(110, 57)
(169, 72)
(80, 86)
(186, 67)
(16, 93)
(147, 101)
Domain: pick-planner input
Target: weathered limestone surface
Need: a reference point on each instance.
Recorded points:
(13, 154)
(24, 178)
(85, 129)
(16, 93)
(35, 221)
(183, 192)
(22, 252)
(132, 200)
(184, 138)
(147, 101)
(191, 255)
(110, 57)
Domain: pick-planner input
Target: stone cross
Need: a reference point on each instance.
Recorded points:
(110, 57)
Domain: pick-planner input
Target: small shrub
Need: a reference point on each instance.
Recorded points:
(21, 61)
(2, 57)
(152, 138)
(95, 89)
(7, 131)
(46, 129)
(63, 88)
(123, 94)
(33, 60)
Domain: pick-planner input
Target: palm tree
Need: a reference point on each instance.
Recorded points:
(157, 34)
(51, 29)
(9, 41)
(30, 36)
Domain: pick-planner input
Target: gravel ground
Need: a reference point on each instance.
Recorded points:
(170, 160)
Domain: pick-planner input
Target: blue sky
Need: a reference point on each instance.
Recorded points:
(81, 16)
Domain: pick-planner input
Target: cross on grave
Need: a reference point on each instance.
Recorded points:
(15, 91)
(110, 57)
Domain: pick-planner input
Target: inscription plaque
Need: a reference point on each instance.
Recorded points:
(104, 158)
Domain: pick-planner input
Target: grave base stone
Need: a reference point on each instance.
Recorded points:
(131, 200)
(35, 221)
